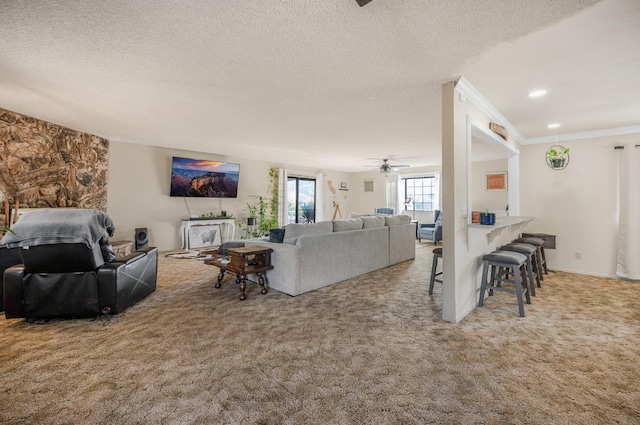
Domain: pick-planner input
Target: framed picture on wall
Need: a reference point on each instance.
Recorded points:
(368, 185)
(495, 181)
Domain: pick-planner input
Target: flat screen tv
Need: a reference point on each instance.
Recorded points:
(203, 178)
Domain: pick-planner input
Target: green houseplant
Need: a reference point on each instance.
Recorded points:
(4, 229)
(263, 214)
(556, 156)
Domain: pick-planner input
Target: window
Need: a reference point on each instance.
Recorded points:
(420, 190)
(301, 200)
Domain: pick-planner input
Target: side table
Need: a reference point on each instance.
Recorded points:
(242, 262)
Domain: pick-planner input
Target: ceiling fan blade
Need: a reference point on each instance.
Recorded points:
(363, 2)
(399, 166)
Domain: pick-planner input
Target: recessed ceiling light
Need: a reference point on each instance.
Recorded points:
(554, 125)
(537, 93)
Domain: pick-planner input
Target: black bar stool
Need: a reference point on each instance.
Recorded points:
(514, 264)
(437, 253)
(542, 259)
(530, 251)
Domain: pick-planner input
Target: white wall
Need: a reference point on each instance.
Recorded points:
(462, 260)
(482, 199)
(369, 201)
(577, 204)
(138, 192)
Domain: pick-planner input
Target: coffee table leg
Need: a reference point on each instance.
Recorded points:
(243, 286)
(261, 282)
(220, 276)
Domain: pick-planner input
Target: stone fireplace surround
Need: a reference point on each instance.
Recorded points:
(45, 165)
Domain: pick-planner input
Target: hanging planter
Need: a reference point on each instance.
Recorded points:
(557, 157)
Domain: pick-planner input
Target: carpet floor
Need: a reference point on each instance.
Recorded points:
(369, 350)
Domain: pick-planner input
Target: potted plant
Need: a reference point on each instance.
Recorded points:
(251, 220)
(557, 155)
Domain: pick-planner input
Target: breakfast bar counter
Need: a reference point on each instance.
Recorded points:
(478, 233)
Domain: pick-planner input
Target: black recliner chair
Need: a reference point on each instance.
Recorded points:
(8, 257)
(68, 271)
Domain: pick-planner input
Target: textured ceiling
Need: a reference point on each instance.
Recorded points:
(319, 84)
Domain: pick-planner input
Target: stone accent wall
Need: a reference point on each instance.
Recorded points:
(46, 165)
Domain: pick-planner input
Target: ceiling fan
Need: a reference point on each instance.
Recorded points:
(386, 168)
(363, 2)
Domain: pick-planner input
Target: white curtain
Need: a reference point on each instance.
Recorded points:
(629, 214)
(319, 197)
(393, 180)
(282, 197)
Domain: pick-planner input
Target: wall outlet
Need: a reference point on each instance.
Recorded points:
(578, 255)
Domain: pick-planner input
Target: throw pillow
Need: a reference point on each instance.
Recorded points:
(276, 235)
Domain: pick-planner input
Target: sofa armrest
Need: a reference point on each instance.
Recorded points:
(426, 225)
(285, 259)
(128, 280)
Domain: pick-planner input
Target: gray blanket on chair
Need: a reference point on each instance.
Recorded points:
(54, 226)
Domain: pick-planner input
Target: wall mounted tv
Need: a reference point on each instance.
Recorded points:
(202, 178)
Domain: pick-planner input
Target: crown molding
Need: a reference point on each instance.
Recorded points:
(619, 131)
(467, 90)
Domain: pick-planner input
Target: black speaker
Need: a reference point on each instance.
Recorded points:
(142, 237)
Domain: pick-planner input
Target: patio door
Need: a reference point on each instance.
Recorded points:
(301, 200)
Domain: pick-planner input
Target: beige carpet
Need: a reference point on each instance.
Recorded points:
(371, 350)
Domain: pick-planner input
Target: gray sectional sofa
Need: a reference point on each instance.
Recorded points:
(316, 255)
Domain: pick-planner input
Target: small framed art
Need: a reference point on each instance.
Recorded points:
(368, 185)
(495, 181)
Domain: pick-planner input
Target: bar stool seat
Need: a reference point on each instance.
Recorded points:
(542, 259)
(530, 252)
(514, 263)
(437, 253)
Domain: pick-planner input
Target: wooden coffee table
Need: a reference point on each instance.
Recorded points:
(242, 262)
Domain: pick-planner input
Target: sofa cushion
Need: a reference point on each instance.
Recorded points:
(295, 230)
(372, 221)
(348, 224)
(394, 220)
